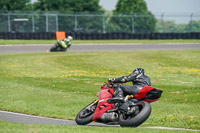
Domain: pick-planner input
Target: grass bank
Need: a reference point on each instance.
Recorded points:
(25, 42)
(60, 84)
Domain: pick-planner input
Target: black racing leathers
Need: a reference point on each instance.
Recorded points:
(139, 80)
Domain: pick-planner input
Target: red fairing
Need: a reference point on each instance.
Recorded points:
(103, 106)
(143, 92)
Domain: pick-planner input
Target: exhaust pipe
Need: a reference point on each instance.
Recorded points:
(109, 117)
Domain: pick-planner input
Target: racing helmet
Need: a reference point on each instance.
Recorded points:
(70, 38)
(139, 70)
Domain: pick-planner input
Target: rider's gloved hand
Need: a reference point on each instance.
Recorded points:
(110, 80)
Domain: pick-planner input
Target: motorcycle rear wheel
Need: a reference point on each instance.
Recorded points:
(85, 116)
(136, 119)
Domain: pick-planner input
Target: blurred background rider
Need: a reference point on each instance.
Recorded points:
(65, 43)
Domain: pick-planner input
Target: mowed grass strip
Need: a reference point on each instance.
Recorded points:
(26, 42)
(60, 84)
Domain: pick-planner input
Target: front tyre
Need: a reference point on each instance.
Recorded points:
(54, 48)
(85, 115)
(140, 115)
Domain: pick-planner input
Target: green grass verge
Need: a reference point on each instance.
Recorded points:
(9, 127)
(60, 84)
(6, 42)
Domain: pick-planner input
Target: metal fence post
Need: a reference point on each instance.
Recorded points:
(9, 27)
(47, 26)
(133, 30)
(162, 21)
(57, 22)
(75, 22)
(104, 27)
(33, 23)
(191, 22)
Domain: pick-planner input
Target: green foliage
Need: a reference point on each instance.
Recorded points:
(140, 24)
(67, 23)
(171, 27)
(69, 5)
(10, 5)
(130, 7)
(134, 17)
(193, 26)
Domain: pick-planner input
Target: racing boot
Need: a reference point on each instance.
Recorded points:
(119, 96)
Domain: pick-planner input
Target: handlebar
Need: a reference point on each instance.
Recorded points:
(106, 85)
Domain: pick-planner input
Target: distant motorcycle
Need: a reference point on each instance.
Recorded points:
(132, 112)
(58, 48)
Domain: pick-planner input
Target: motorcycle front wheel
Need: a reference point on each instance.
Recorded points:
(54, 48)
(140, 115)
(85, 115)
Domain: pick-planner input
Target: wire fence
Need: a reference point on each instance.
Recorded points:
(95, 23)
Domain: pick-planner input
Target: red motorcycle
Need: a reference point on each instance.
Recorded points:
(131, 112)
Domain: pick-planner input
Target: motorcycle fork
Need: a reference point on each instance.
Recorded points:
(92, 104)
(95, 102)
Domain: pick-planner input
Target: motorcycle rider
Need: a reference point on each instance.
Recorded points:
(137, 77)
(65, 43)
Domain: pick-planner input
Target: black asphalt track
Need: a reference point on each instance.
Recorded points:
(95, 47)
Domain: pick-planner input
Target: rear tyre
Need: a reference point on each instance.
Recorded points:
(143, 110)
(85, 116)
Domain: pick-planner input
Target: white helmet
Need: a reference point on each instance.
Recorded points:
(70, 38)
